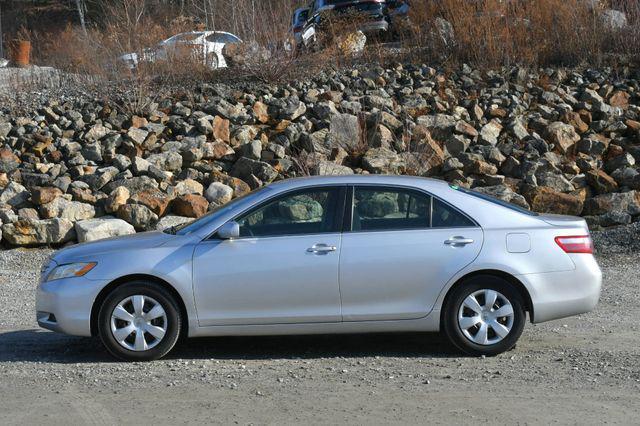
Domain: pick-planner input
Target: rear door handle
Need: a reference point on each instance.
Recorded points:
(321, 249)
(458, 241)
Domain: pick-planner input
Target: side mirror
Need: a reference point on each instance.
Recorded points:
(229, 231)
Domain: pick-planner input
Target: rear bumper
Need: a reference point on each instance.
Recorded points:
(556, 295)
(65, 305)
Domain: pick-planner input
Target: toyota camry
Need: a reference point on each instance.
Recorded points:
(339, 254)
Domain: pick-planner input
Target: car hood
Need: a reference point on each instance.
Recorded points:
(135, 242)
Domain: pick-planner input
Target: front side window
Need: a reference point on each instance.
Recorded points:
(376, 209)
(312, 211)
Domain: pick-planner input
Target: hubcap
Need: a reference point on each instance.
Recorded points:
(485, 317)
(138, 323)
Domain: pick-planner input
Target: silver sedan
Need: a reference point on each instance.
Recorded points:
(346, 254)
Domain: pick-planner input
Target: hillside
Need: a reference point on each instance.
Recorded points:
(560, 141)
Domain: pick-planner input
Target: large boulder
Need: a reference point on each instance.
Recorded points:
(244, 168)
(156, 200)
(104, 227)
(219, 193)
(44, 195)
(38, 232)
(547, 200)
(171, 221)
(65, 209)
(601, 182)
(190, 205)
(563, 136)
(141, 217)
(344, 131)
(14, 195)
(8, 161)
(626, 202)
(117, 198)
(323, 168)
(382, 161)
(188, 186)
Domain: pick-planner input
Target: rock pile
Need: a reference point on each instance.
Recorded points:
(554, 141)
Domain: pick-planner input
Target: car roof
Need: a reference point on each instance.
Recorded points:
(411, 181)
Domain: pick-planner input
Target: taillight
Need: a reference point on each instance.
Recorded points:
(575, 244)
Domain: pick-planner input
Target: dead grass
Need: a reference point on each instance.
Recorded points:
(494, 33)
(483, 33)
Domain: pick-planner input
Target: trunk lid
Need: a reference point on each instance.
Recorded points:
(563, 221)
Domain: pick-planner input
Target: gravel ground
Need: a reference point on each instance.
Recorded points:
(582, 370)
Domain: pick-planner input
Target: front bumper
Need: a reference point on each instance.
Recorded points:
(65, 305)
(556, 295)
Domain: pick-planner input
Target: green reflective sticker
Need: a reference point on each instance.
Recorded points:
(456, 187)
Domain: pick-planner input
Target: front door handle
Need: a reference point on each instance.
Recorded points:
(321, 249)
(458, 241)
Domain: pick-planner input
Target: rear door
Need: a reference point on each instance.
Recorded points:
(401, 248)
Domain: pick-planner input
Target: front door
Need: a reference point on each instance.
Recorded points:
(403, 247)
(283, 269)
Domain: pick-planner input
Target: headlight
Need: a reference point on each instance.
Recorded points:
(70, 270)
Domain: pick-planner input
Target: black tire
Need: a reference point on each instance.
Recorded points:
(454, 332)
(161, 296)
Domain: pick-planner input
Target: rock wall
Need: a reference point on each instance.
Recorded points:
(554, 141)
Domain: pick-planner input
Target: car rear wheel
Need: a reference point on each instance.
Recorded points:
(484, 316)
(139, 321)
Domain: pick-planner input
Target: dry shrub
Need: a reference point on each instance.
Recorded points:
(492, 33)
(484, 33)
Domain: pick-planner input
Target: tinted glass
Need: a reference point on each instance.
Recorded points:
(186, 37)
(445, 216)
(222, 38)
(237, 203)
(311, 211)
(494, 200)
(389, 209)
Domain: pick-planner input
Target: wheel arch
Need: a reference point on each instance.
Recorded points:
(95, 308)
(516, 283)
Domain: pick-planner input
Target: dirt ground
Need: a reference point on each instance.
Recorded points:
(582, 370)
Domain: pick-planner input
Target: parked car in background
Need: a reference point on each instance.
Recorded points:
(373, 13)
(398, 8)
(300, 18)
(331, 254)
(205, 46)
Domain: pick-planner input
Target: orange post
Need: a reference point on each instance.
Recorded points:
(22, 53)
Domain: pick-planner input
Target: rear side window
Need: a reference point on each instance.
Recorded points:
(389, 209)
(445, 216)
(494, 200)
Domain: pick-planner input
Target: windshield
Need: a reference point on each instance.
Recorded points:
(194, 225)
(494, 200)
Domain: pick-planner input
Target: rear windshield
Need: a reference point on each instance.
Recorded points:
(494, 200)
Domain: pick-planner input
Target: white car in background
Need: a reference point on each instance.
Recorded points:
(205, 45)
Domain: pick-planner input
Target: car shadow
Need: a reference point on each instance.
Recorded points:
(44, 346)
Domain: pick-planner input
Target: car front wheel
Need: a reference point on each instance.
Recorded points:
(484, 316)
(139, 321)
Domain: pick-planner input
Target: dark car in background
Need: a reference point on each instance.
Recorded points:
(373, 13)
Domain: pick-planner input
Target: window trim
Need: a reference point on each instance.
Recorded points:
(338, 214)
(350, 205)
